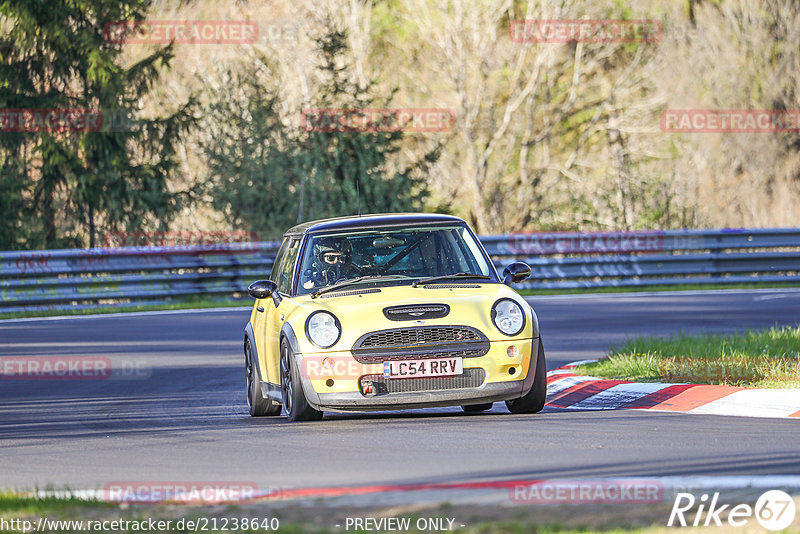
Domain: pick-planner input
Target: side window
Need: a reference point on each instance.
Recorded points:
(286, 267)
(278, 258)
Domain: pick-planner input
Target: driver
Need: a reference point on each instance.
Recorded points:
(332, 262)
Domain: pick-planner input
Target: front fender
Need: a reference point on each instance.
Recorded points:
(287, 332)
(250, 335)
(533, 368)
(534, 320)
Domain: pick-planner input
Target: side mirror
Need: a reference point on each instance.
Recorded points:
(516, 272)
(263, 289)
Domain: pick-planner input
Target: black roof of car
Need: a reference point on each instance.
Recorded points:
(372, 221)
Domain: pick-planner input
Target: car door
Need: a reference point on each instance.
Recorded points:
(274, 315)
(260, 322)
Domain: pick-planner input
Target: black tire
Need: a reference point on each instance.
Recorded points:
(475, 408)
(533, 401)
(294, 400)
(259, 406)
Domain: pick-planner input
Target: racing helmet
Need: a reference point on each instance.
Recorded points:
(332, 255)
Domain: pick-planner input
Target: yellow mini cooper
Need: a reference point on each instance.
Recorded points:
(387, 312)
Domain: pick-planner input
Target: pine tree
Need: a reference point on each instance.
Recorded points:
(252, 156)
(57, 55)
(267, 175)
(339, 163)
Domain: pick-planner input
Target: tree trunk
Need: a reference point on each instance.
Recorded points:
(49, 216)
(91, 225)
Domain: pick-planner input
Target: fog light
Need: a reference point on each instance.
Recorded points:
(511, 371)
(512, 351)
(329, 383)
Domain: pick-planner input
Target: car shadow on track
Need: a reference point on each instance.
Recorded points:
(163, 399)
(167, 399)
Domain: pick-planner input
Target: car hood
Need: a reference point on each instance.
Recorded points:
(360, 310)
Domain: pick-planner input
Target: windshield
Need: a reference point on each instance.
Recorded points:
(401, 255)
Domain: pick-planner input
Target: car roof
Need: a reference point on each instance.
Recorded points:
(372, 221)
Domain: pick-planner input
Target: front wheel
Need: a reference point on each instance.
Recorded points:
(294, 400)
(259, 406)
(533, 400)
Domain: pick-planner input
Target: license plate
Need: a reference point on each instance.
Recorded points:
(423, 368)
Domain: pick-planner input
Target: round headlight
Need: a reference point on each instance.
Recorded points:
(508, 317)
(323, 329)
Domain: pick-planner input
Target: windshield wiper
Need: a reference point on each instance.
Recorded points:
(370, 278)
(455, 276)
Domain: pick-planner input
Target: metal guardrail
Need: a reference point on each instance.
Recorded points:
(85, 278)
(647, 258)
(80, 278)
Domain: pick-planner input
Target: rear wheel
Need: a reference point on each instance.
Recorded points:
(297, 407)
(258, 405)
(533, 401)
(474, 408)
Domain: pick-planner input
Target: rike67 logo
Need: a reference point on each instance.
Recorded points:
(774, 510)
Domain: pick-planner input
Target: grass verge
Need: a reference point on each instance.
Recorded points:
(319, 518)
(177, 304)
(764, 358)
(19, 505)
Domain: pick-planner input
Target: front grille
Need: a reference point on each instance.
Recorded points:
(416, 312)
(471, 378)
(421, 342)
(424, 334)
(383, 357)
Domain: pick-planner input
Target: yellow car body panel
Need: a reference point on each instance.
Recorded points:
(361, 313)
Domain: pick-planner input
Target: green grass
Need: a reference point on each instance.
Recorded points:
(177, 304)
(321, 517)
(302, 520)
(13, 505)
(765, 358)
(677, 287)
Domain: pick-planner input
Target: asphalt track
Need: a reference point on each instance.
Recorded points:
(181, 415)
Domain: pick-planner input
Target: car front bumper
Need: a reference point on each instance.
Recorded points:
(491, 390)
(354, 401)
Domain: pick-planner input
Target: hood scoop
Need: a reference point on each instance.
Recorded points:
(350, 293)
(451, 286)
(414, 312)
